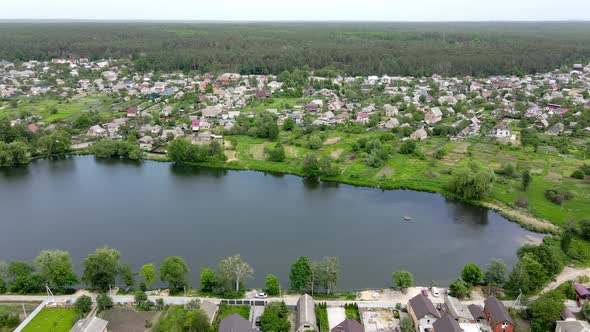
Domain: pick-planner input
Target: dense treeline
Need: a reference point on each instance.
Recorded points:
(351, 48)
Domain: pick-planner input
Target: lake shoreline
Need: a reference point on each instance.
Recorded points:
(524, 219)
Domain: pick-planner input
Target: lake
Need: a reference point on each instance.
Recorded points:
(150, 210)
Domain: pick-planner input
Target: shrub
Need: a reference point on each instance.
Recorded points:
(578, 174)
(408, 147)
(557, 196)
(104, 302)
(83, 305)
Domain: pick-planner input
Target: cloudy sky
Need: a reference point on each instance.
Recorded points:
(275, 10)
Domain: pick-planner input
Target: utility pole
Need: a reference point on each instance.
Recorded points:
(24, 311)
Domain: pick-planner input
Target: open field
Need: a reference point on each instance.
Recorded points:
(127, 320)
(52, 320)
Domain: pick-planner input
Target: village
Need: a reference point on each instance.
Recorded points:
(205, 107)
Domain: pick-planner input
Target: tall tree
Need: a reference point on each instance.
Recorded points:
(174, 271)
(233, 270)
(329, 272)
(208, 280)
(101, 268)
(148, 273)
(495, 273)
(300, 274)
(471, 274)
(272, 286)
(56, 267)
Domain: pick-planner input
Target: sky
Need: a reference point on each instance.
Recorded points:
(299, 10)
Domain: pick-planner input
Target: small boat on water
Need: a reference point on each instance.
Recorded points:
(407, 218)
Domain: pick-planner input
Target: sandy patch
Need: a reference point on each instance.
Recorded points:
(522, 217)
(332, 141)
(231, 155)
(336, 153)
(553, 177)
(257, 151)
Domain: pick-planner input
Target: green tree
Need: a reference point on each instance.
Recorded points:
(546, 310)
(56, 267)
(127, 275)
(275, 317)
(584, 226)
(406, 325)
(300, 274)
(495, 273)
(329, 270)
(527, 275)
(83, 305)
(403, 279)
(103, 302)
(233, 270)
(23, 279)
(56, 143)
(148, 273)
(197, 321)
(174, 271)
(3, 277)
(276, 154)
(459, 288)
(272, 285)
(472, 182)
(408, 147)
(101, 268)
(471, 274)
(141, 301)
(289, 124)
(526, 179)
(311, 167)
(208, 280)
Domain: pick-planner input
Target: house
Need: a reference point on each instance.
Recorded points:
(362, 117)
(32, 128)
(132, 112)
(348, 325)
(501, 131)
(582, 294)
(423, 313)
(446, 324)
(93, 324)
(97, 131)
(235, 323)
(312, 108)
(390, 111)
(497, 315)
(195, 125)
(433, 115)
(305, 320)
(477, 312)
(392, 123)
(419, 134)
(555, 130)
(262, 94)
(458, 311)
(212, 111)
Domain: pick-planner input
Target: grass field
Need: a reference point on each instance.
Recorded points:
(52, 320)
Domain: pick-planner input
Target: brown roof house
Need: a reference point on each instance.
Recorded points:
(497, 315)
(433, 115)
(423, 313)
(348, 325)
(446, 324)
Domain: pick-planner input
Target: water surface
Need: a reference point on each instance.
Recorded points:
(151, 210)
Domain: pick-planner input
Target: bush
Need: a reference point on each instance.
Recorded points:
(408, 147)
(272, 285)
(352, 311)
(440, 154)
(522, 202)
(276, 154)
(508, 170)
(83, 305)
(275, 317)
(104, 302)
(557, 196)
(321, 314)
(578, 174)
(9, 320)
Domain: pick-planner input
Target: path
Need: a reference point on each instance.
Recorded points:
(568, 273)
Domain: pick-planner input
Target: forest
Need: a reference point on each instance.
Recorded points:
(418, 49)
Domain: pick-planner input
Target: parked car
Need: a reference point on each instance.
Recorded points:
(261, 295)
(435, 292)
(424, 292)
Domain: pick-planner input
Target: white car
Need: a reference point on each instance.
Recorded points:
(435, 292)
(261, 295)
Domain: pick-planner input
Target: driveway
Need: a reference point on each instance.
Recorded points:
(255, 311)
(335, 316)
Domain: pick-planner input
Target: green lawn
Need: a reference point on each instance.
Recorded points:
(52, 320)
